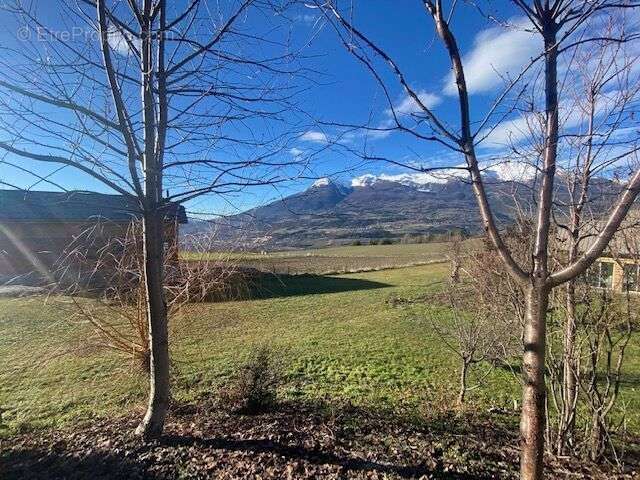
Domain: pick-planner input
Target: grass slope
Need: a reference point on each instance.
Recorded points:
(345, 343)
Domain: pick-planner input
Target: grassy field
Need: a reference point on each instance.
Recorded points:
(345, 259)
(339, 337)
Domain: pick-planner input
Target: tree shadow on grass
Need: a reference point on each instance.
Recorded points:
(39, 464)
(295, 440)
(314, 456)
(627, 379)
(270, 285)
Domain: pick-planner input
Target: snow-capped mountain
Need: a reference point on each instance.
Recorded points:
(372, 208)
(321, 182)
(329, 182)
(379, 207)
(505, 171)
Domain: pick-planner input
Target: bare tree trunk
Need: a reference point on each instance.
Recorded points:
(568, 388)
(533, 396)
(569, 380)
(566, 427)
(152, 424)
(597, 434)
(464, 367)
(532, 419)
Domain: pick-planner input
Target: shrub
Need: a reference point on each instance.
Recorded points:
(357, 243)
(112, 274)
(386, 241)
(253, 389)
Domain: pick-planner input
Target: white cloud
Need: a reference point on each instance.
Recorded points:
(314, 136)
(367, 134)
(497, 51)
(296, 152)
(573, 117)
(121, 44)
(511, 132)
(306, 18)
(408, 106)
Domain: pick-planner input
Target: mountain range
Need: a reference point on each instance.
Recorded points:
(379, 208)
(371, 208)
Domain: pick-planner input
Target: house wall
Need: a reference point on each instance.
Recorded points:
(37, 247)
(617, 282)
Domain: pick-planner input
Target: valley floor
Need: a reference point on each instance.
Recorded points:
(335, 260)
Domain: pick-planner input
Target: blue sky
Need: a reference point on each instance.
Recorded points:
(406, 33)
(346, 93)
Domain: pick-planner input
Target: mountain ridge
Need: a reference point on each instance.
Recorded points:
(331, 213)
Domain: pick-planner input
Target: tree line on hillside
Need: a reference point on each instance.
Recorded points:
(408, 239)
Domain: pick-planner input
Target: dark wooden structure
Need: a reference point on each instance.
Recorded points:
(38, 228)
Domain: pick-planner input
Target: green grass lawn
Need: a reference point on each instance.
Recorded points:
(343, 343)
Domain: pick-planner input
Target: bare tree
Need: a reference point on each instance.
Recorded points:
(605, 327)
(600, 98)
(604, 320)
(609, 330)
(103, 275)
(496, 291)
(468, 328)
(562, 25)
(467, 333)
(148, 95)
